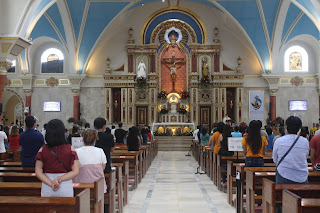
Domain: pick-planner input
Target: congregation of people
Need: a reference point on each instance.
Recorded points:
(57, 163)
(290, 143)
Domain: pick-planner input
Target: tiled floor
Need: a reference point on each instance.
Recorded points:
(171, 185)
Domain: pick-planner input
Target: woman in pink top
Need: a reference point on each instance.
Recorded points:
(92, 160)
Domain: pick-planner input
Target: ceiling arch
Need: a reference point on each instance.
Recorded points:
(89, 18)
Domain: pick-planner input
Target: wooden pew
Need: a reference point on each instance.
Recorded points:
(10, 163)
(109, 198)
(133, 165)
(297, 202)
(79, 204)
(125, 175)
(119, 187)
(139, 155)
(254, 186)
(34, 189)
(272, 192)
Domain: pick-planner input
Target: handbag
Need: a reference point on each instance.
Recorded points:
(288, 151)
(58, 159)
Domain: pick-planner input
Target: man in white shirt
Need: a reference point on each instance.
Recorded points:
(113, 130)
(195, 134)
(3, 138)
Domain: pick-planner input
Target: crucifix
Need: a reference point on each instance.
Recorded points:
(172, 62)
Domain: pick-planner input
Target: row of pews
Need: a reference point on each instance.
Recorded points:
(20, 189)
(253, 189)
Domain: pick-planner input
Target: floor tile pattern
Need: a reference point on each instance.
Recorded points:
(171, 185)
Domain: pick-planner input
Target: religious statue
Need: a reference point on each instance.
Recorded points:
(142, 70)
(173, 69)
(205, 67)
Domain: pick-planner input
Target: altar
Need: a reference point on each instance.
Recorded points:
(172, 128)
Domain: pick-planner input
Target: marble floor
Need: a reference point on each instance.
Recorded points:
(171, 185)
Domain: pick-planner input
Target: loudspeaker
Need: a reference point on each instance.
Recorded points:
(0, 108)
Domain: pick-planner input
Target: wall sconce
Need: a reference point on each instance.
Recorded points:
(231, 104)
(116, 103)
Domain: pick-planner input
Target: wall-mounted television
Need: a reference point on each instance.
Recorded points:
(297, 105)
(51, 106)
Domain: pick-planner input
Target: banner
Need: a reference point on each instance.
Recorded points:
(77, 142)
(234, 144)
(256, 102)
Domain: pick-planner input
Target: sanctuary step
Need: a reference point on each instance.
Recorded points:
(174, 143)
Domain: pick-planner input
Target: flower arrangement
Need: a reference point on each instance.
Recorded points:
(277, 122)
(184, 95)
(205, 81)
(163, 111)
(162, 94)
(141, 82)
(71, 120)
(182, 111)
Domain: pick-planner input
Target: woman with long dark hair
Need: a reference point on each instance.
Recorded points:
(133, 139)
(223, 141)
(56, 175)
(216, 135)
(204, 136)
(254, 145)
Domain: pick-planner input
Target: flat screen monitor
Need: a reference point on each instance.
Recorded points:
(51, 106)
(297, 105)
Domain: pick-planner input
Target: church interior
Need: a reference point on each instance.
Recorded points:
(167, 64)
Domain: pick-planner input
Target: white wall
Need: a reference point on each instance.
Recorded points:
(64, 95)
(284, 95)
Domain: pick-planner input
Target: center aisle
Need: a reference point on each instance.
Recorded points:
(171, 185)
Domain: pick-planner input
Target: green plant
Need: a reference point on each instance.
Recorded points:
(182, 111)
(141, 82)
(184, 95)
(205, 81)
(164, 111)
(162, 94)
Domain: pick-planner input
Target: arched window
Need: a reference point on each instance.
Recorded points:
(13, 67)
(52, 61)
(296, 60)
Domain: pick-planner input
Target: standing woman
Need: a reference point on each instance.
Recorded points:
(290, 153)
(254, 146)
(216, 135)
(92, 160)
(56, 175)
(14, 138)
(133, 139)
(204, 136)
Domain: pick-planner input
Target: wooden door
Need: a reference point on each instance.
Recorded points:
(141, 116)
(205, 117)
(116, 105)
(231, 97)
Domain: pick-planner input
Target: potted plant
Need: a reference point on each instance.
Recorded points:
(184, 95)
(141, 82)
(162, 94)
(205, 81)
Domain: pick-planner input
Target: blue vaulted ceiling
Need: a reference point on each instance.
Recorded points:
(257, 17)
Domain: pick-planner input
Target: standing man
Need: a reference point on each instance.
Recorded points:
(195, 133)
(120, 134)
(31, 141)
(113, 131)
(3, 138)
(105, 141)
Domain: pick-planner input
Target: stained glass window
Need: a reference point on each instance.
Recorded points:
(296, 60)
(52, 61)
